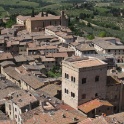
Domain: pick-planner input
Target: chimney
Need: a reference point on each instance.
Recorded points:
(63, 116)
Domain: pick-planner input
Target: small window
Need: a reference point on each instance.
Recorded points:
(74, 79)
(109, 50)
(72, 94)
(65, 90)
(96, 78)
(96, 95)
(71, 78)
(67, 76)
(108, 108)
(9, 107)
(83, 96)
(83, 80)
(115, 107)
(15, 109)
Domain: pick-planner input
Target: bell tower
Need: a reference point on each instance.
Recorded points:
(64, 19)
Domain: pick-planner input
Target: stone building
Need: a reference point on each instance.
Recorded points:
(35, 24)
(113, 88)
(21, 19)
(45, 49)
(84, 49)
(83, 79)
(108, 47)
(63, 33)
(18, 103)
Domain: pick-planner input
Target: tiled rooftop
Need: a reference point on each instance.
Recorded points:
(5, 56)
(33, 67)
(32, 81)
(83, 62)
(57, 55)
(107, 45)
(93, 104)
(51, 89)
(22, 98)
(56, 117)
(6, 87)
(23, 18)
(6, 63)
(86, 121)
(12, 72)
(85, 47)
(43, 18)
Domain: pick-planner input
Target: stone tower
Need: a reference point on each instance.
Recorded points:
(83, 79)
(64, 19)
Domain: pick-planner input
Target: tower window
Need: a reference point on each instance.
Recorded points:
(72, 78)
(96, 95)
(66, 91)
(83, 96)
(96, 78)
(66, 76)
(72, 94)
(83, 80)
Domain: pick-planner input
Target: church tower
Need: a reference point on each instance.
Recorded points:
(64, 19)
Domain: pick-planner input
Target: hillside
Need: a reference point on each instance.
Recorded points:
(107, 16)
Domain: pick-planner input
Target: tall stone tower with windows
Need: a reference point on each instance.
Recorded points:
(64, 19)
(83, 79)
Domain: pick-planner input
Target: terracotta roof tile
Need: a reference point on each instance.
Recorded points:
(82, 62)
(44, 18)
(32, 81)
(57, 55)
(58, 117)
(93, 104)
(6, 56)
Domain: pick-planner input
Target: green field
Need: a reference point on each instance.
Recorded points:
(97, 13)
(18, 3)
